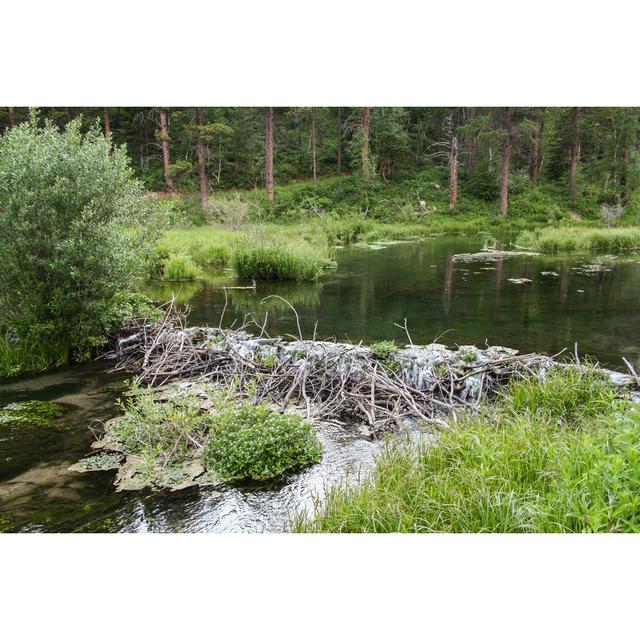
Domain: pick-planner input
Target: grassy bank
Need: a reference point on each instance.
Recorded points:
(293, 237)
(577, 239)
(554, 456)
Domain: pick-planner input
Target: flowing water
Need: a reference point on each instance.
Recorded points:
(592, 301)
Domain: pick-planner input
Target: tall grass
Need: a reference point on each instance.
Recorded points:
(528, 466)
(278, 261)
(577, 239)
(180, 267)
(23, 356)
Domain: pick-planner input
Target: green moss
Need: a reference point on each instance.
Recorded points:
(35, 413)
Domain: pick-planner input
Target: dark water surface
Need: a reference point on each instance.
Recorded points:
(593, 301)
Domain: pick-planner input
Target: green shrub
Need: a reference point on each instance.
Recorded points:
(384, 349)
(255, 442)
(65, 199)
(180, 267)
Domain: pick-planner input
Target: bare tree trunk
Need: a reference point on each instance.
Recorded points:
(106, 121)
(12, 116)
(201, 152)
(314, 161)
(366, 123)
(453, 173)
(453, 164)
(339, 139)
(534, 166)
(504, 175)
(268, 145)
(575, 152)
(166, 156)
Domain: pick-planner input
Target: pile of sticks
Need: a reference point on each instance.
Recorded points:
(327, 380)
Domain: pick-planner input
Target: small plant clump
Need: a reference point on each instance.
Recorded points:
(278, 261)
(254, 442)
(35, 413)
(180, 267)
(171, 432)
(384, 351)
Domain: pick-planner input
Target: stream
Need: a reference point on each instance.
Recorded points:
(564, 300)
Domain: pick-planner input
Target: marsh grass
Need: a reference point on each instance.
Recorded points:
(577, 238)
(180, 267)
(278, 260)
(527, 466)
(19, 356)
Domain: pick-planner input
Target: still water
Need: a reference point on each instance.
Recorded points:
(592, 301)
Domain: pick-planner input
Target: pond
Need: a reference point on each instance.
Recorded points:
(591, 301)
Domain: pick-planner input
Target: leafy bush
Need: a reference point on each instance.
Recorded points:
(255, 442)
(180, 267)
(65, 198)
(384, 349)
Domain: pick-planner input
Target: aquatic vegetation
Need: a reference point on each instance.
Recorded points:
(255, 442)
(278, 261)
(529, 466)
(575, 239)
(19, 355)
(34, 413)
(180, 267)
(169, 429)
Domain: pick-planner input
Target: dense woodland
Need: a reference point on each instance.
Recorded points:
(489, 153)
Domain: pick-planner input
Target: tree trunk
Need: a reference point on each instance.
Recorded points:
(314, 162)
(339, 139)
(366, 122)
(575, 152)
(106, 121)
(268, 145)
(201, 152)
(534, 167)
(453, 173)
(12, 116)
(166, 156)
(504, 175)
(453, 164)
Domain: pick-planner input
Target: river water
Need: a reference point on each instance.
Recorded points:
(589, 300)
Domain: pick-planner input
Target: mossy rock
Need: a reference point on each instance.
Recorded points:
(30, 413)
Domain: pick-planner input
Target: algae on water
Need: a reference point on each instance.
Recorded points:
(30, 413)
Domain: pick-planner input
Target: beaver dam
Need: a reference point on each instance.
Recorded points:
(194, 382)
